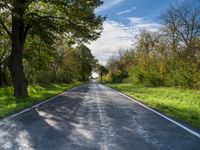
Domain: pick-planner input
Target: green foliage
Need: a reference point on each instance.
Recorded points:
(41, 33)
(102, 70)
(76, 18)
(183, 104)
(60, 63)
(136, 75)
(68, 66)
(183, 73)
(4, 53)
(148, 78)
(169, 57)
(152, 63)
(88, 62)
(117, 69)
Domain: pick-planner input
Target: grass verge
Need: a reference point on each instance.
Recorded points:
(37, 93)
(183, 104)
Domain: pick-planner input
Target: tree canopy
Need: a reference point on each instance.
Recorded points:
(35, 26)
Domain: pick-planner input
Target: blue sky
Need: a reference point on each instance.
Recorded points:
(119, 10)
(124, 20)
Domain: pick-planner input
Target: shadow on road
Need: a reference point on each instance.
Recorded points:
(47, 127)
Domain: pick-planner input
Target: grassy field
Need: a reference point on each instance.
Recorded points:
(183, 104)
(37, 93)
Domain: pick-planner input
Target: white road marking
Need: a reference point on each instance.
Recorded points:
(167, 118)
(107, 130)
(35, 106)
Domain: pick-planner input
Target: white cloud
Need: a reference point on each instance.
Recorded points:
(133, 7)
(107, 5)
(116, 36)
(136, 20)
(142, 23)
(126, 11)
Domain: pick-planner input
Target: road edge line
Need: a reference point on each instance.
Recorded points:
(36, 105)
(158, 113)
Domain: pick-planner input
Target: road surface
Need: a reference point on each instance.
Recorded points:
(93, 117)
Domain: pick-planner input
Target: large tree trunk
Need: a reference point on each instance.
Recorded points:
(17, 73)
(16, 58)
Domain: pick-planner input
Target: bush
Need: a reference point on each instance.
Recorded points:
(119, 76)
(183, 73)
(146, 77)
(153, 79)
(136, 75)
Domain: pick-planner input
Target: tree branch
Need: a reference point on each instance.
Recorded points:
(4, 27)
(26, 30)
(4, 61)
(28, 2)
(45, 16)
(5, 6)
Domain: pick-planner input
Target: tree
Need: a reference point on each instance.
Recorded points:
(117, 67)
(88, 62)
(66, 65)
(183, 23)
(4, 51)
(38, 57)
(169, 58)
(46, 20)
(102, 71)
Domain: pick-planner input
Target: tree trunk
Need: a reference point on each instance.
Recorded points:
(17, 74)
(4, 79)
(15, 62)
(101, 78)
(1, 77)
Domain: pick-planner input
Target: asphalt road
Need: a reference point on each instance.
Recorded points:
(93, 117)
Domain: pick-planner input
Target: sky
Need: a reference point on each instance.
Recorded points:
(124, 19)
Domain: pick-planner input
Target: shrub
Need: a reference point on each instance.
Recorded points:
(136, 75)
(153, 79)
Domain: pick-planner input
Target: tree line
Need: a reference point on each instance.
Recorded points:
(168, 57)
(42, 41)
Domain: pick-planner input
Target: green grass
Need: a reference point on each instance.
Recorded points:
(183, 104)
(37, 93)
